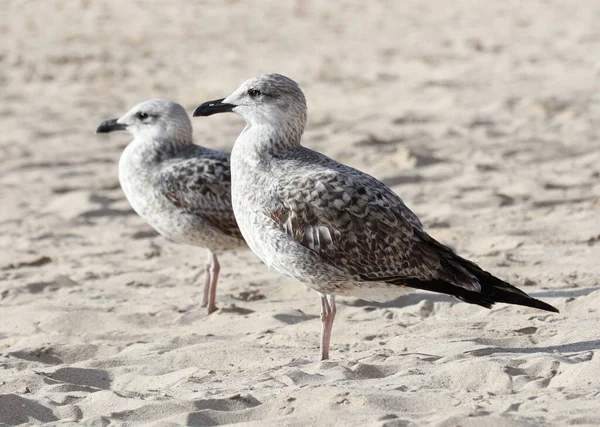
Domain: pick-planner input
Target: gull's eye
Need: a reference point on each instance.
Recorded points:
(254, 93)
(142, 115)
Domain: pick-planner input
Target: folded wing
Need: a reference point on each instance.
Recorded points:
(202, 187)
(357, 224)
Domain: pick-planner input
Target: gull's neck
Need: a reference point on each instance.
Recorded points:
(159, 148)
(268, 140)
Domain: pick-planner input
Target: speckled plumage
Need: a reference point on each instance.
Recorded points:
(331, 226)
(181, 189)
(197, 182)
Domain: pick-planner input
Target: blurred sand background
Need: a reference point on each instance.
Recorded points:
(483, 116)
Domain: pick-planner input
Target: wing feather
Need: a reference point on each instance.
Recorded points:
(201, 186)
(357, 224)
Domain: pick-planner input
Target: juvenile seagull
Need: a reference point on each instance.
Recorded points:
(181, 189)
(335, 228)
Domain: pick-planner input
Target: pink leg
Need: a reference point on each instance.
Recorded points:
(204, 302)
(214, 268)
(327, 316)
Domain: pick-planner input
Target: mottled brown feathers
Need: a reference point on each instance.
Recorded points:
(201, 186)
(356, 224)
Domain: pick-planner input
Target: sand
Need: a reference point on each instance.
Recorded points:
(482, 116)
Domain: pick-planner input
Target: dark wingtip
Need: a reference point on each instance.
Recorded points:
(493, 291)
(543, 306)
(500, 291)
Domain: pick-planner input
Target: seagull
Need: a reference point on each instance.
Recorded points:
(181, 189)
(330, 226)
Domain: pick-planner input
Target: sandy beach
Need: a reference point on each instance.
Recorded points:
(483, 116)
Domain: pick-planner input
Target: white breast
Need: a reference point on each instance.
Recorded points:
(133, 180)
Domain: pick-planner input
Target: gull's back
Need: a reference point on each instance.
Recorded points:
(330, 225)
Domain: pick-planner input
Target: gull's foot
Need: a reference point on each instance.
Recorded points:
(211, 308)
(192, 313)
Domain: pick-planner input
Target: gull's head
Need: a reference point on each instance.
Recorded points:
(268, 99)
(152, 120)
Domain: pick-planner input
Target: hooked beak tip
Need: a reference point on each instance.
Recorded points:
(110, 126)
(213, 107)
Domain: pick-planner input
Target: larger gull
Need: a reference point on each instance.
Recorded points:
(181, 189)
(333, 227)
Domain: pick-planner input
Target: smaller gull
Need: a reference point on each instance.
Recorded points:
(181, 189)
(333, 227)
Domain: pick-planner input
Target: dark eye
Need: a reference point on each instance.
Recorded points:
(142, 115)
(254, 93)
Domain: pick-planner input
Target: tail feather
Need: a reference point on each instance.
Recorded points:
(493, 290)
(459, 277)
(502, 291)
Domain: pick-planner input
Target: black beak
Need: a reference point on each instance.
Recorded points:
(110, 126)
(213, 107)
